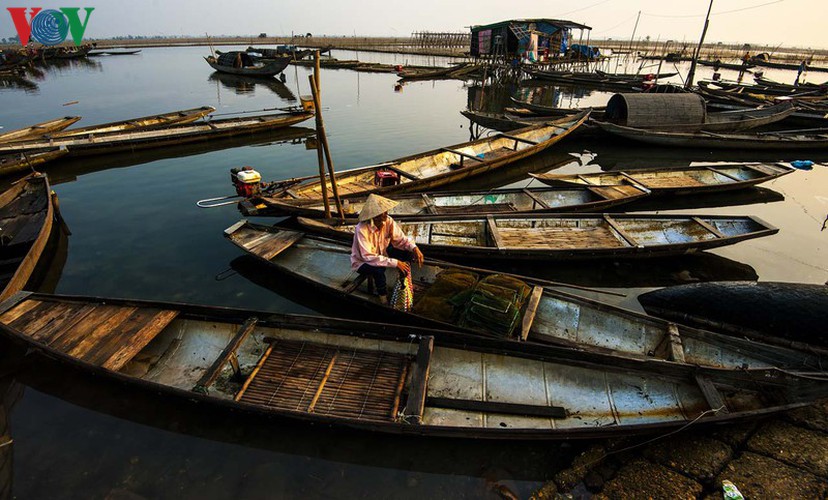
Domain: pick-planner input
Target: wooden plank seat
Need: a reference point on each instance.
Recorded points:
(327, 380)
(103, 335)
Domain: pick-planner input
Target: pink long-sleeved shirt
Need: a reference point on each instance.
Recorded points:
(370, 243)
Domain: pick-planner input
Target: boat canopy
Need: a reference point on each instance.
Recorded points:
(644, 110)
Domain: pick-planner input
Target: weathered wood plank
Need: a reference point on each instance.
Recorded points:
(139, 340)
(531, 310)
(17, 311)
(711, 394)
(82, 330)
(101, 331)
(462, 154)
(419, 380)
(494, 234)
(496, 407)
(267, 249)
(626, 236)
(57, 329)
(210, 375)
(709, 227)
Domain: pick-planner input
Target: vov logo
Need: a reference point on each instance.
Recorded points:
(49, 27)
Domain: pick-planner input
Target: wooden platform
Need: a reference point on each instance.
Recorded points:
(327, 380)
(103, 335)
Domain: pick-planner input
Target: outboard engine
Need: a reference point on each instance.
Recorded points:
(247, 181)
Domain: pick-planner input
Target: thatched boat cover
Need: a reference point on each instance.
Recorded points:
(649, 110)
(229, 59)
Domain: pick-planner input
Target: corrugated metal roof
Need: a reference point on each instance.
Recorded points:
(560, 23)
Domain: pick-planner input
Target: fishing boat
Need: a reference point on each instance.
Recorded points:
(503, 122)
(143, 123)
(240, 63)
(38, 129)
(386, 378)
(12, 163)
(292, 52)
(113, 52)
(436, 168)
(740, 66)
(635, 76)
(513, 201)
(789, 314)
(779, 139)
(688, 113)
(431, 73)
(564, 236)
(27, 217)
(171, 135)
(542, 110)
(520, 309)
(695, 179)
(803, 86)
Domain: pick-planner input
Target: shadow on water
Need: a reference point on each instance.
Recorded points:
(69, 170)
(241, 84)
(18, 83)
(474, 458)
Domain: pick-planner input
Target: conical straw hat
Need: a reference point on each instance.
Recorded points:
(375, 205)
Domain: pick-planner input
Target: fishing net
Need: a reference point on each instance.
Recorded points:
(402, 297)
(438, 302)
(495, 305)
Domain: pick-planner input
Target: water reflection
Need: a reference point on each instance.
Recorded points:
(247, 85)
(10, 393)
(61, 66)
(18, 83)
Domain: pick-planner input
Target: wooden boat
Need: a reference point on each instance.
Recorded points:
(384, 378)
(565, 236)
(12, 163)
(513, 201)
(39, 129)
(791, 66)
(26, 224)
(153, 138)
(803, 86)
(789, 314)
(635, 76)
(436, 168)
(113, 52)
(240, 63)
(696, 179)
(769, 90)
(72, 53)
(503, 122)
(541, 110)
(737, 120)
(452, 297)
(430, 73)
(143, 123)
(740, 66)
(780, 139)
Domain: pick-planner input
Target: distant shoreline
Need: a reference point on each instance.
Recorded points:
(408, 45)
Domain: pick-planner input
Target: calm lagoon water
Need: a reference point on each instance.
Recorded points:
(136, 232)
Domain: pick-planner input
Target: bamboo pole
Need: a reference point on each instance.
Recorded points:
(323, 138)
(320, 159)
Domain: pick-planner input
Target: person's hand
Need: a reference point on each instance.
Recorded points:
(418, 257)
(405, 267)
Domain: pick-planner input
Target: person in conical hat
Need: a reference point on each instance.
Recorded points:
(380, 243)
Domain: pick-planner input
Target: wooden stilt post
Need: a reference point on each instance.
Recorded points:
(320, 158)
(323, 139)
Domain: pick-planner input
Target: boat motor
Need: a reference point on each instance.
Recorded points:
(247, 181)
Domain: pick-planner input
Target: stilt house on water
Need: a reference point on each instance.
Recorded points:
(533, 40)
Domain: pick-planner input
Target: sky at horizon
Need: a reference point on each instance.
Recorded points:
(788, 23)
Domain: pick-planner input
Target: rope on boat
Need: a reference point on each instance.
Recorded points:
(217, 202)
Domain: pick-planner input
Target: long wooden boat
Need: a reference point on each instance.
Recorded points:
(12, 163)
(780, 139)
(791, 66)
(773, 90)
(503, 122)
(270, 68)
(387, 378)
(740, 66)
(429, 73)
(113, 52)
(449, 296)
(565, 236)
(512, 201)
(39, 129)
(154, 138)
(767, 82)
(695, 179)
(181, 117)
(542, 110)
(436, 168)
(635, 76)
(789, 314)
(26, 224)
